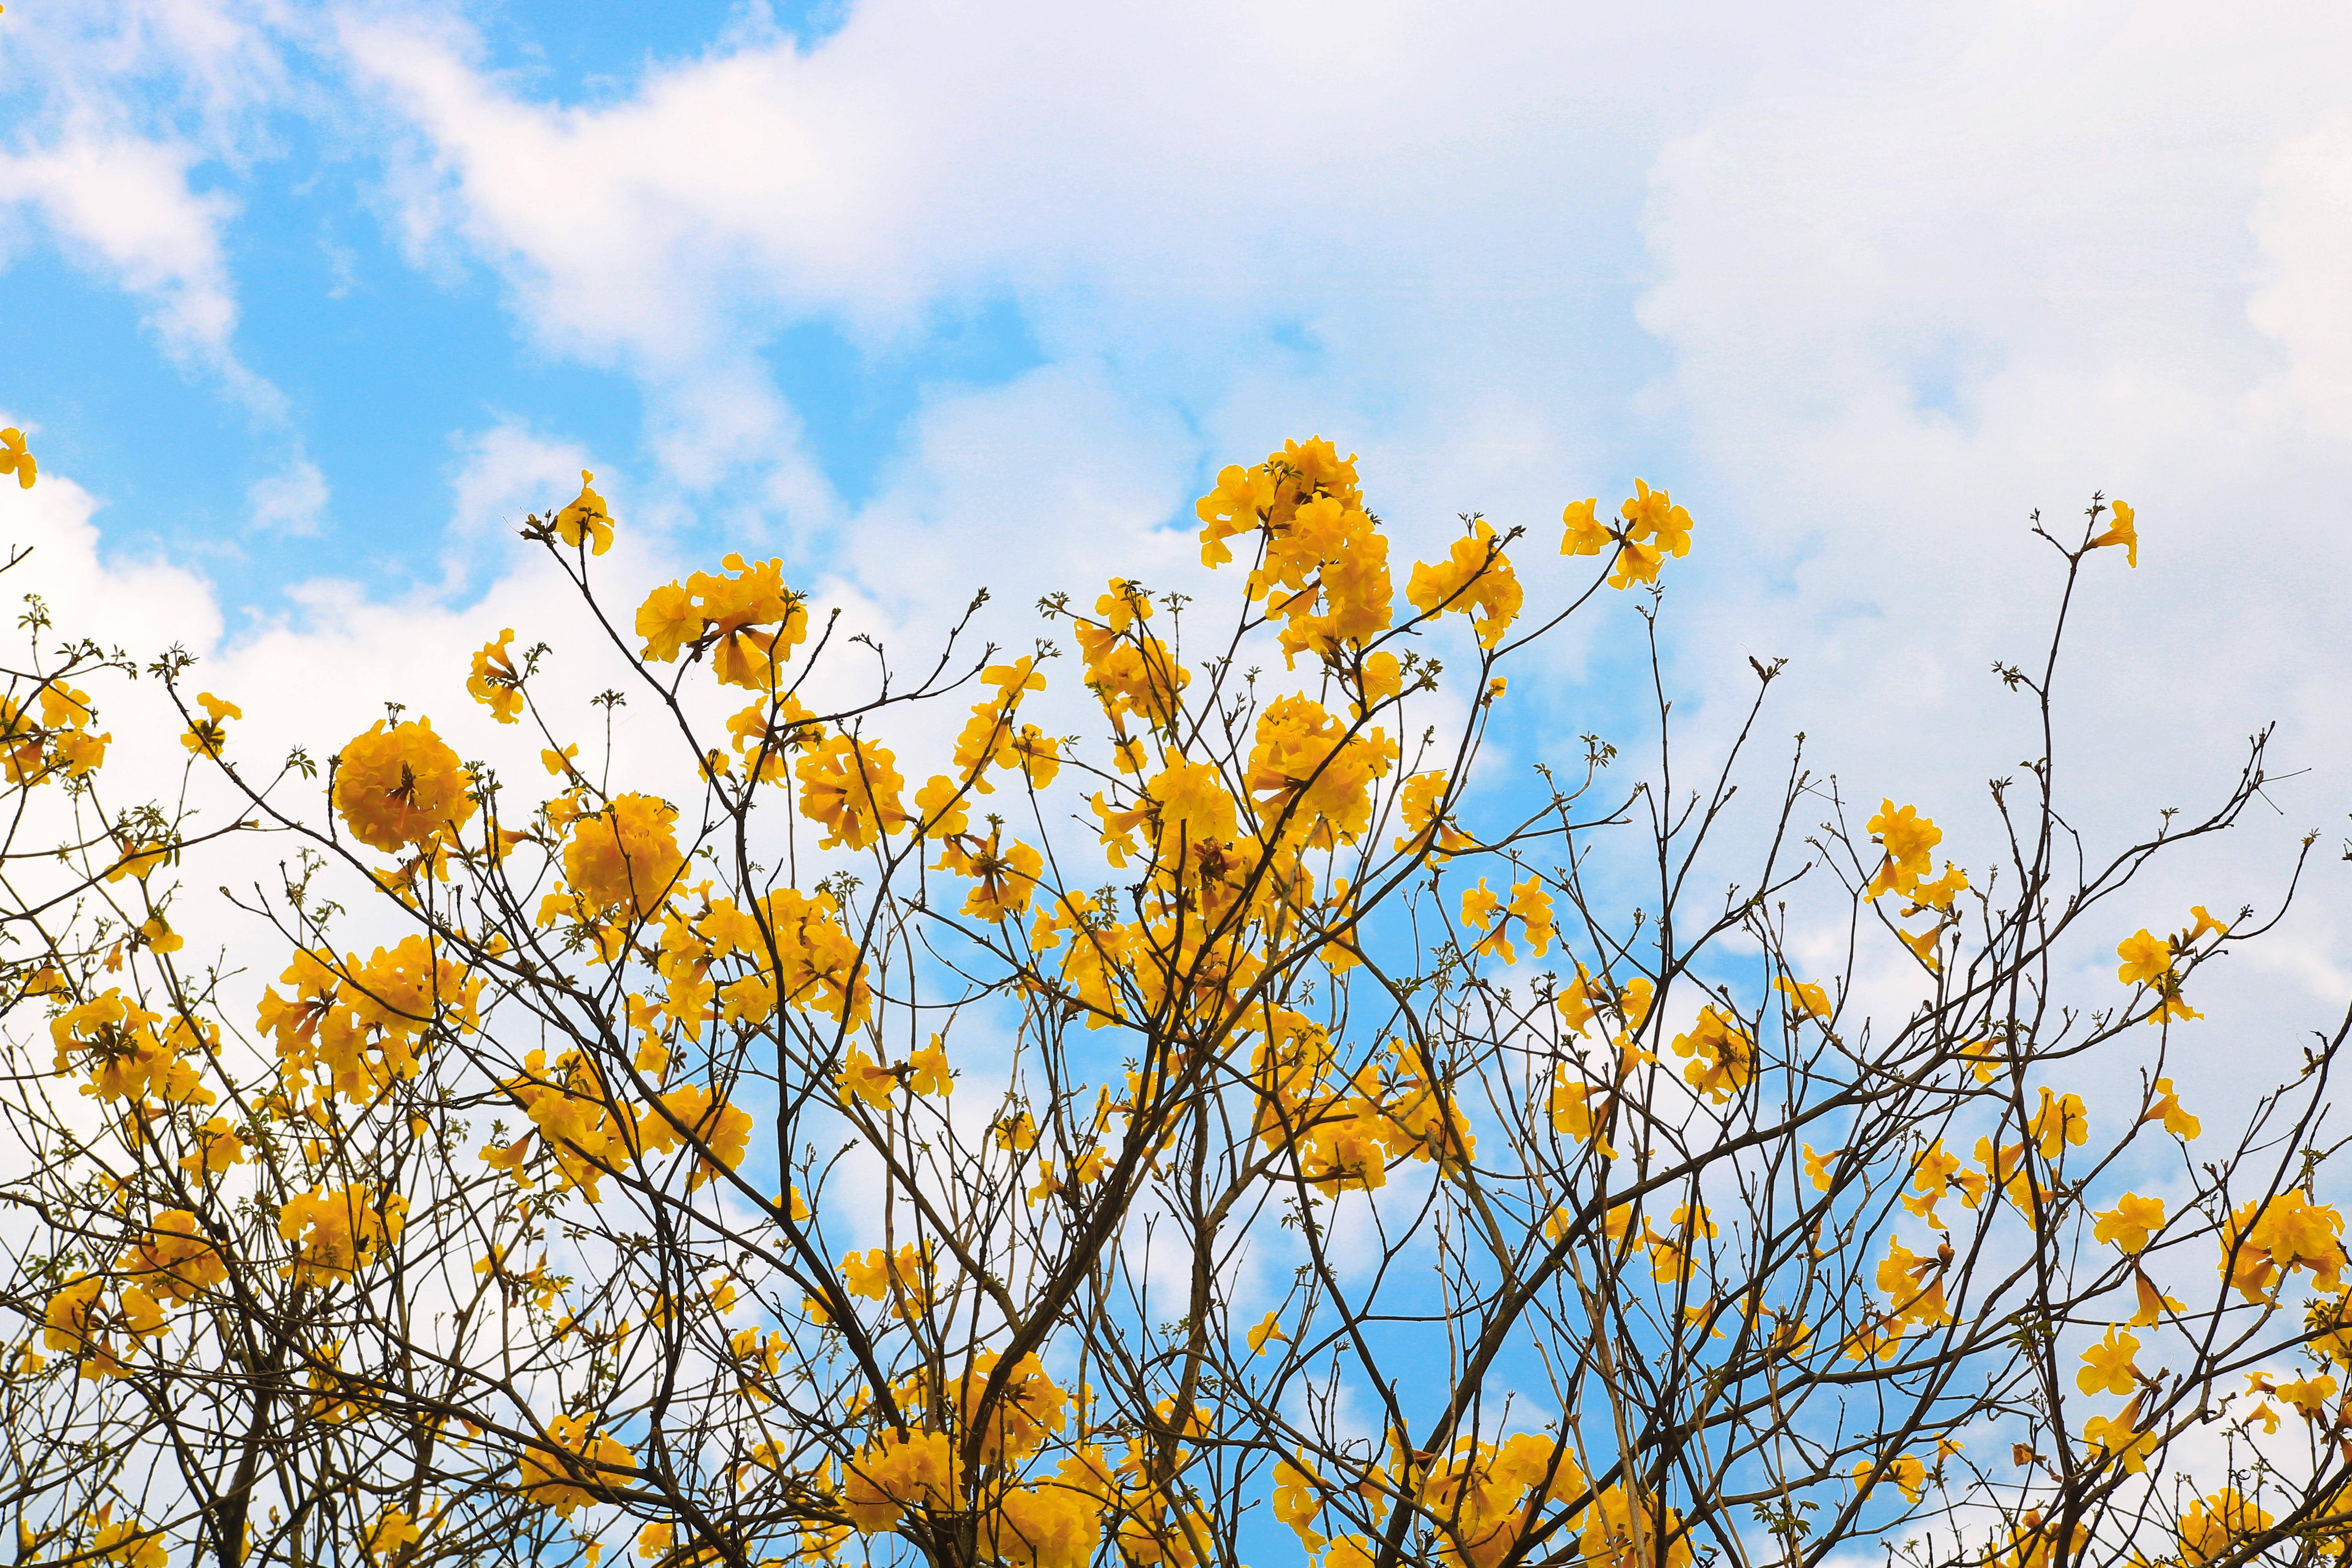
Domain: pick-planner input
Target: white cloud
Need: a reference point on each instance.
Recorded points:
(123, 204)
(288, 501)
(2305, 225)
(1437, 186)
(115, 109)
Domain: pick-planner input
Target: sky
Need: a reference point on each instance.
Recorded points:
(306, 307)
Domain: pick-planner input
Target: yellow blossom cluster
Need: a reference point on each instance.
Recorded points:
(747, 620)
(207, 735)
(1531, 905)
(400, 785)
(354, 1028)
(1483, 1497)
(1131, 672)
(1346, 1130)
(125, 1057)
(589, 1130)
(572, 1465)
(624, 856)
(1654, 529)
(1323, 563)
(1725, 1054)
(2153, 961)
(2265, 1242)
(51, 735)
(991, 740)
(1475, 579)
(336, 1231)
(172, 1266)
(850, 788)
(494, 681)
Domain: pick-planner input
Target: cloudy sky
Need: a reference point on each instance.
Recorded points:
(306, 305)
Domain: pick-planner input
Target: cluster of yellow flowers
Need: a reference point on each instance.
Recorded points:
(400, 786)
(1475, 579)
(572, 1465)
(1485, 912)
(748, 621)
(338, 1231)
(1654, 527)
(1345, 1131)
(1909, 839)
(1586, 1004)
(589, 1129)
(1323, 567)
(1484, 1499)
(61, 742)
(2264, 1242)
(115, 1042)
(360, 1025)
(623, 856)
(2153, 961)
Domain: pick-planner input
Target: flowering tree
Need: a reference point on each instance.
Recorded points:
(747, 1154)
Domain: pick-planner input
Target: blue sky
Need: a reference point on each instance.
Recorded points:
(307, 303)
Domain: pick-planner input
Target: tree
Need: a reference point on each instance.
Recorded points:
(739, 1157)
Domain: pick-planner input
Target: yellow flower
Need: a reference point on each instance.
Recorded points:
(627, 854)
(1652, 516)
(1904, 1471)
(2120, 531)
(2167, 1109)
(862, 1079)
(1817, 1167)
(2147, 961)
(1479, 907)
(2120, 1437)
(2152, 1302)
(1004, 879)
(2213, 1525)
(1298, 1498)
(340, 1231)
(2147, 958)
(495, 683)
(1908, 838)
(1586, 535)
(2264, 1243)
(587, 516)
(572, 1465)
(1265, 1332)
(668, 620)
(2058, 1122)
(929, 1072)
(402, 786)
(1805, 996)
(898, 1470)
(851, 788)
(391, 1530)
(1636, 563)
(1726, 1055)
(1924, 945)
(2130, 1223)
(206, 735)
(2107, 1365)
(15, 459)
(1476, 579)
